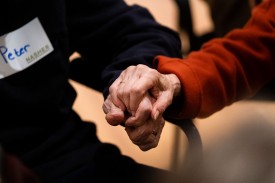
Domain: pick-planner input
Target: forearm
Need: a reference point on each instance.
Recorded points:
(226, 70)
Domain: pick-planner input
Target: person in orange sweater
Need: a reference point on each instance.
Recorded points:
(223, 71)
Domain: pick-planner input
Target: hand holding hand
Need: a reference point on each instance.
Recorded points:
(137, 100)
(142, 129)
(137, 81)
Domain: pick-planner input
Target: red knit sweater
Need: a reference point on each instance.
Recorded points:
(226, 69)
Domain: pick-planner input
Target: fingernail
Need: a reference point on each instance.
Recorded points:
(156, 115)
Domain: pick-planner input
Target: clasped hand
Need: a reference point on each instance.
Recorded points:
(137, 100)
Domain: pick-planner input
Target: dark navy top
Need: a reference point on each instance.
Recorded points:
(37, 122)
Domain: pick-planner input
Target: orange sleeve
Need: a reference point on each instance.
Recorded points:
(227, 69)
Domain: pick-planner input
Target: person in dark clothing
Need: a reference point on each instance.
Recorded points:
(225, 70)
(38, 124)
(12, 170)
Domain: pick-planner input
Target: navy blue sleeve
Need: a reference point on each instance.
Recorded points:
(110, 36)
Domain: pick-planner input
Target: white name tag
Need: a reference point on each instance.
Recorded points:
(23, 47)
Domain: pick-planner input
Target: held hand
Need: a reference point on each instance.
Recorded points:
(144, 131)
(137, 100)
(114, 115)
(146, 136)
(136, 81)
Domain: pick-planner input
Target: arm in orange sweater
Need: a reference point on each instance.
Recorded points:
(228, 69)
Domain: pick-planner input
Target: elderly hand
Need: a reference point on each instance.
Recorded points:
(142, 129)
(137, 100)
(136, 82)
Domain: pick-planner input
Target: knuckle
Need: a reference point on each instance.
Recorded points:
(136, 90)
(120, 92)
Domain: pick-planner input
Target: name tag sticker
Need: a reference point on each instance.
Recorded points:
(23, 47)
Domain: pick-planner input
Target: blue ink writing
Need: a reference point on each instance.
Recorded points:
(8, 55)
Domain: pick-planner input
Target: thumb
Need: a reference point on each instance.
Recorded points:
(114, 115)
(161, 104)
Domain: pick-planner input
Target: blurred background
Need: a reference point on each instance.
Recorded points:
(174, 143)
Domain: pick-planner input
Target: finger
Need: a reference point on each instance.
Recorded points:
(147, 78)
(148, 142)
(113, 94)
(114, 115)
(161, 104)
(142, 114)
(156, 134)
(140, 137)
(125, 86)
(146, 136)
(122, 95)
